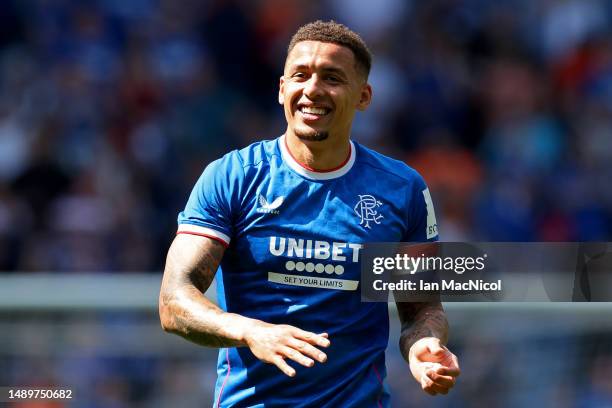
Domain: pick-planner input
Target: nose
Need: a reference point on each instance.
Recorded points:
(313, 88)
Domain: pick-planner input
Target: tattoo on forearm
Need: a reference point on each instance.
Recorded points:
(186, 311)
(421, 320)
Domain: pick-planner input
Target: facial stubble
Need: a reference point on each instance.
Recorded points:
(312, 136)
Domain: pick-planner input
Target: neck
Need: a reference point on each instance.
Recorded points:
(319, 156)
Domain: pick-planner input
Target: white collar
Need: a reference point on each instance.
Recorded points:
(312, 174)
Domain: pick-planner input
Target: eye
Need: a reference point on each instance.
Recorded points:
(299, 76)
(334, 79)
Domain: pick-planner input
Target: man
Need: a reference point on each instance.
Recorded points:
(285, 219)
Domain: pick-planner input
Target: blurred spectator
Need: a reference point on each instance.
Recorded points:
(110, 110)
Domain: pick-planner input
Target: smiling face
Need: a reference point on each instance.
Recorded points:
(320, 91)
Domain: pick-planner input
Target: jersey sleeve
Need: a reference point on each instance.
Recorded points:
(422, 217)
(214, 200)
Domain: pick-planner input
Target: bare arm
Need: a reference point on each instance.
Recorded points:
(420, 320)
(422, 343)
(191, 265)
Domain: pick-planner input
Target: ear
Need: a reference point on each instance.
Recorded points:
(365, 97)
(281, 90)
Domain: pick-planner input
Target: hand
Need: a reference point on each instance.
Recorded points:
(433, 366)
(272, 343)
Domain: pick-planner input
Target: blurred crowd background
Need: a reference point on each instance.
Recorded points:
(110, 110)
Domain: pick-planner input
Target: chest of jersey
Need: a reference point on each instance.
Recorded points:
(306, 233)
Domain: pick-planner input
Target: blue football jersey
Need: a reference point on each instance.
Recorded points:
(293, 238)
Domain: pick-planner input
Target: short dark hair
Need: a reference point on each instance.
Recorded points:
(336, 33)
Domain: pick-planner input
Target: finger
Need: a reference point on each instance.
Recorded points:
(311, 338)
(283, 366)
(324, 335)
(297, 356)
(426, 384)
(456, 363)
(432, 388)
(307, 350)
(439, 389)
(452, 371)
(442, 380)
(429, 391)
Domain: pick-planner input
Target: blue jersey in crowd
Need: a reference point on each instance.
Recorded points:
(293, 238)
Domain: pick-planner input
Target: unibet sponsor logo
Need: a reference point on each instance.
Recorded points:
(313, 282)
(311, 249)
(322, 254)
(314, 267)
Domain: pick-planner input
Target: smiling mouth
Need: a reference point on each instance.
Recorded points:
(312, 112)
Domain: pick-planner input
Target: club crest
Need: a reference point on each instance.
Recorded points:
(366, 210)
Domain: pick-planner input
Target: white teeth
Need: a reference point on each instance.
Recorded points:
(313, 110)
